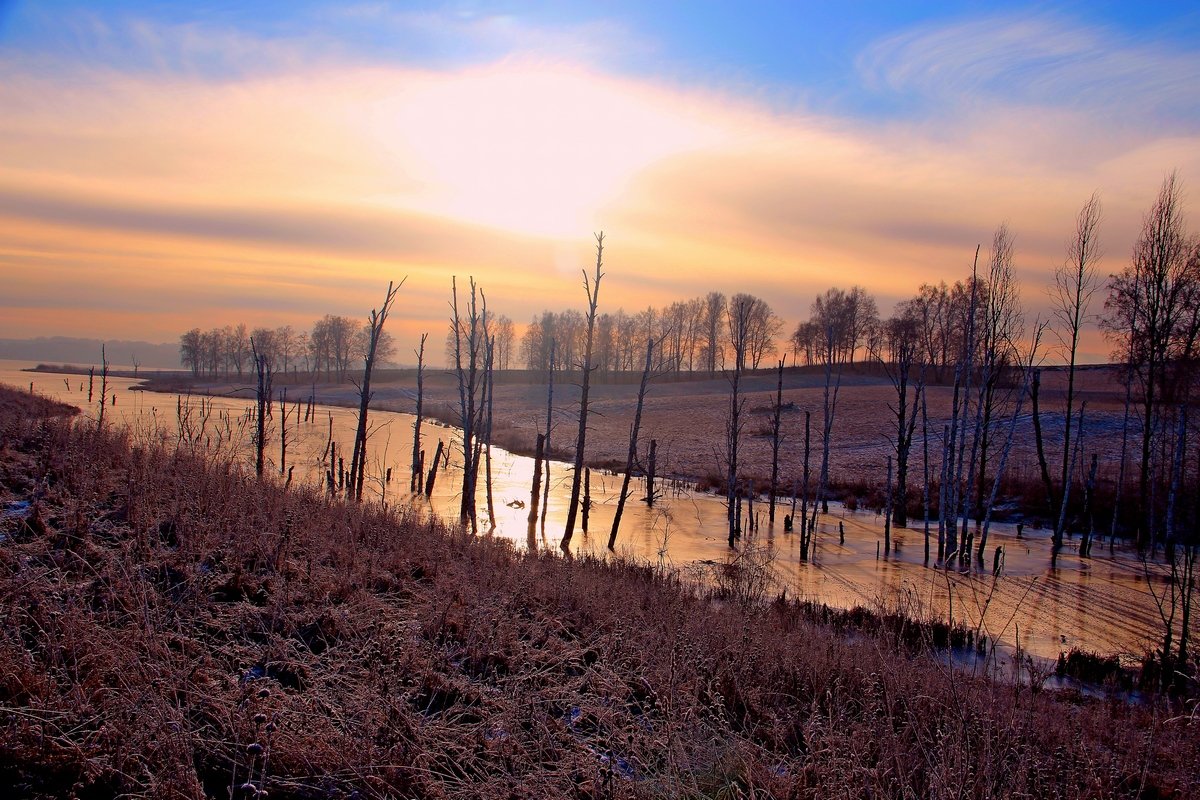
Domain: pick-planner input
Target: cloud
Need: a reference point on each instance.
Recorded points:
(1039, 59)
(301, 190)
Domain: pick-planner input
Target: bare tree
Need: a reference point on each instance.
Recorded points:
(712, 330)
(775, 424)
(415, 482)
(104, 386)
(375, 322)
(954, 443)
(468, 324)
(634, 429)
(1001, 325)
(1075, 282)
(262, 395)
(903, 337)
(739, 323)
(1154, 313)
(592, 288)
(1027, 373)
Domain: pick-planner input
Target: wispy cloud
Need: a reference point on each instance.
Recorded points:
(1040, 59)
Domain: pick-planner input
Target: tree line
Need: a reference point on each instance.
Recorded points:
(692, 336)
(333, 347)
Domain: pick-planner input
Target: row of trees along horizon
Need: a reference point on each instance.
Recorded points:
(974, 335)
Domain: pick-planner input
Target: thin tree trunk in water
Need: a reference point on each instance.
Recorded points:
(414, 481)
(1038, 441)
(775, 442)
(437, 456)
(283, 431)
(750, 526)
(965, 532)
(587, 499)
(489, 388)
(262, 397)
(593, 294)
(1124, 458)
(805, 533)
(1176, 477)
(1057, 539)
(1085, 547)
(536, 493)
(104, 387)
(651, 472)
(358, 459)
(925, 466)
(943, 493)
(887, 519)
(631, 457)
(962, 379)
(947, 505)
(467, 333)
(830, 408)
(738, 320)
(549, 425)
(1012, 428)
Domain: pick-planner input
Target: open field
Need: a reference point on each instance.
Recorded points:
(160, 602)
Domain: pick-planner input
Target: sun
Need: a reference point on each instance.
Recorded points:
(534, 149)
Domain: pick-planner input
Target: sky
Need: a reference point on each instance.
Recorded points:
(171, 165)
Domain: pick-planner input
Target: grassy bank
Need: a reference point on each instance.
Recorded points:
(175, 629)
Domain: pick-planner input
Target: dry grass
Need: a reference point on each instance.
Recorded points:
(164, 600)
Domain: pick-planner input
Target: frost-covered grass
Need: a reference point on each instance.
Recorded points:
(164, 611)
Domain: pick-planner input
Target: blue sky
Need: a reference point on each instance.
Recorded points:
(791, 52)
(248, 151)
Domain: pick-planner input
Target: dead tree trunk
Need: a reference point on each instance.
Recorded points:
(1029, 375)
(104, 387)
(1089, 489)
(549, 427)
(433, 468)
(586, 509)
(1035, 392)
(1124, 458)
(830, 408)
(651, 472)
(592, 288)
(925, 467)
(536, 493)
(962, 380)
(415, 478)
(283, 430)
(944, 492)
(738, 322)
(1056, 541)
(358, 457)
(468, 326)
(887, 519)
(262, 397)
(775, 442)
(489, 388)
(805, 533)
(631, 457)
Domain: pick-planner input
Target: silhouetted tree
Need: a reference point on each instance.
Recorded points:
(592, 288)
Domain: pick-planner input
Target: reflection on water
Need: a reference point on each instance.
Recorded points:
(1100, 604)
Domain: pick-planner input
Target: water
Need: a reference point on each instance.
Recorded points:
(1100, 604)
